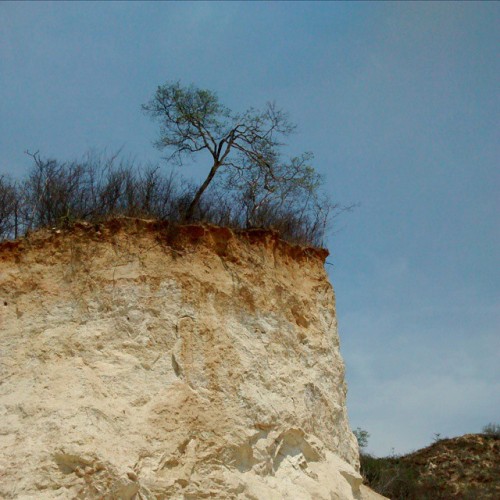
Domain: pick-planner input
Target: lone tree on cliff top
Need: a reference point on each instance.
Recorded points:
(245, 146)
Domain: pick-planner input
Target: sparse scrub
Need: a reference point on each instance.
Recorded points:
(450, 468)
(96, 188)
(361, 436)
(492, 430)
(9, 207)
(249, 183)
(395, 479)
(245, 161)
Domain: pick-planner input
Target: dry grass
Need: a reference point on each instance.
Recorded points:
(466, 468)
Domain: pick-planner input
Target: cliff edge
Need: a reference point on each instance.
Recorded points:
(142, 362)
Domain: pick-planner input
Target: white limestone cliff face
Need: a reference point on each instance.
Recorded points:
(138, 364)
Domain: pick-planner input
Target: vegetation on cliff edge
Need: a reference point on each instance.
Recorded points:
(250, 182)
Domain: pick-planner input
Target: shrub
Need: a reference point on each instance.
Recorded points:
(399, 480)
(56, 194)
(9, 207)
(362, 437)
(492, 430)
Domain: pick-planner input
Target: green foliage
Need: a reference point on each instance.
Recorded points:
(362, 437)
(249, 183)
(458, 468)
(190, 119)
(398, 480)
(243, 153)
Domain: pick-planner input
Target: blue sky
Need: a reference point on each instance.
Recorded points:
(399, 103)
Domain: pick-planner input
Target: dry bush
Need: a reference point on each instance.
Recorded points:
(9, 208)
(56, 194)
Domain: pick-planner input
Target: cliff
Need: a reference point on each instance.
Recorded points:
(139, 361)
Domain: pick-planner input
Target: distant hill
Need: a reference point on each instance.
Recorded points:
(465, 467)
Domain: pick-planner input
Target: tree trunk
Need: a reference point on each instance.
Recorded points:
(190, 211)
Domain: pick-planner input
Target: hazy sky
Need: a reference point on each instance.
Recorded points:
(399, 103)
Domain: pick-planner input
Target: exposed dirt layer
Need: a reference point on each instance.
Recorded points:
(177, 236)
(142, 361)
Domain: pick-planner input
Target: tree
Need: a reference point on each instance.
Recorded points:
(362, 437)
(247, 145)
(492, 429)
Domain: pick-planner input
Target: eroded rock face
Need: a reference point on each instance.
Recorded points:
(138, 363)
